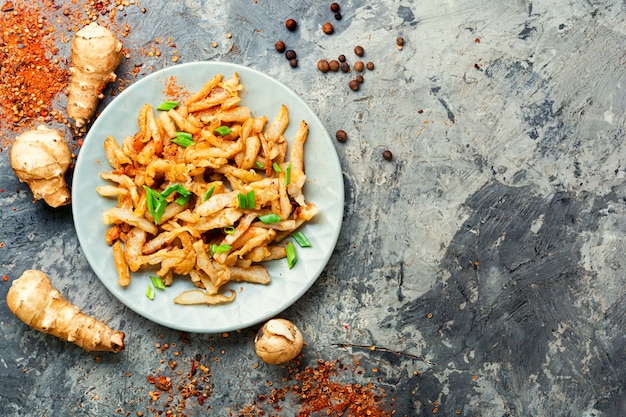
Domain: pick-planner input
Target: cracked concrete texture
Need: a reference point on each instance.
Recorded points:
(486, 254)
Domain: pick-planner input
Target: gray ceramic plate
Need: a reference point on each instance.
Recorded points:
(254, 303)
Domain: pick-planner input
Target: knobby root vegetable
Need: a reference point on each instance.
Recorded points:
(278, 341)
(96, 53)
(34, 301)
(40, 158)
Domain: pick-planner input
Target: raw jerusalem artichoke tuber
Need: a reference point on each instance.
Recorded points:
(278, 341)
(96, 53)
(34, 301)
(40, 158)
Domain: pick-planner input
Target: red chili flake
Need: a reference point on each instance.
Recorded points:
(420, 111)
(5, 278)
(477, 40)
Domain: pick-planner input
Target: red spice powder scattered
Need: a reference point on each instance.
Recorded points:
(317, 391)
(30, 74)
(175, 91)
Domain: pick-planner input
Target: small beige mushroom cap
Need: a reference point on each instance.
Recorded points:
(278, 341)
(40, 158)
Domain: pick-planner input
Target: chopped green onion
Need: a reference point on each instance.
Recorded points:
(157, 282)
(159, 209)
(168, 105)
(246, 201)
(223, 130)
(259, 165)
(183, 139)
(150, 292)
(156, 201)
(175, 187)
(229, 230)
(219, 248)
(251, 200)
(150, 199)
(276, 168)
(291, 255)
(243, 201)
(183, 199)
(302, 240)
(288, 174)
(270, 218)
(185, 135)
(209, 193)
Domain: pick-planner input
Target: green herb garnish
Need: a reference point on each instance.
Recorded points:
(168, 105)
(209, 193)
(291, 255)
(288, 174)
(183, 139)
(150, 292)
(157, 282)
(156, 202)
(246, 201)
(301, 239)
(218, 248)
(223, 130)
(270, 218)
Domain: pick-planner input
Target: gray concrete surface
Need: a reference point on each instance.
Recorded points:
(485, 260)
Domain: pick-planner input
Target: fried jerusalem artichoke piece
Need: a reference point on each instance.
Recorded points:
(34, 301)
(96, 53)
(40, 158)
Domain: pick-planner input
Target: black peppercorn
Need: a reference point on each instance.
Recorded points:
(280, 46)
(341, 135)
(360, 79)
(334, 65)
(354, 85)
(334, 7)
(293, 62)
(387, 155)
(345, 67)
(370, 65)
(341, 58)
(359, 50)
(338, 16)
(328, 28)
(323, 65)
(359, 66)
(290, 54)
(291, 24)
(400, 41)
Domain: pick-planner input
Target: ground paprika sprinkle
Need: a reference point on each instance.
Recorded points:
(30, 74)
(317, 390)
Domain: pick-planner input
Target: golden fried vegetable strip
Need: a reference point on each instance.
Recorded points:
(202, 297)
(119, 215)
(133, 249)
(296, 158)
(257, 274)
(123, 272)
(114, 153)
(277, 127)
(205, 90)
(217, 202)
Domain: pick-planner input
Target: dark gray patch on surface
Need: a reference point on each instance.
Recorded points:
(406, 14)
(526, 32)
(511, 289)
